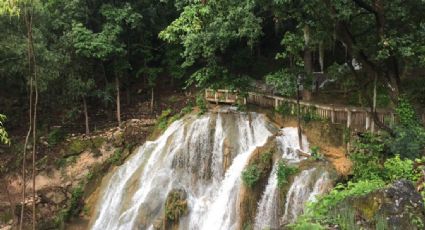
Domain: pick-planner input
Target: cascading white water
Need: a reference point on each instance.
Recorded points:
(306, 186)
(203, 156)
(267, 212)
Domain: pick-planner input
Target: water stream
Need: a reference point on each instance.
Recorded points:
(203, 156)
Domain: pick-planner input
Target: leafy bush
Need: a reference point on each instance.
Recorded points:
(396, 168)
(251, 175)
(315, 153)
(116, 157)
(56, 136)
(284, 109)
(311, 115)
(202, 104)
(409, 140)
(305, 224)
(162, 121)
(366, 157)
(283, 172)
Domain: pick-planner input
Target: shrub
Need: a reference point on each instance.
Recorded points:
(396, 168)
(315, 153)
(283, 172)
(284, 109)
(366, 158)
(251, 175)
(56, 136)
(162, 121)
(409, 140)
(202, 104)
(310, 115)
(116, 157)
(305, 224)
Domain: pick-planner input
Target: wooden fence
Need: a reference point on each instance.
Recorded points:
(358, 118)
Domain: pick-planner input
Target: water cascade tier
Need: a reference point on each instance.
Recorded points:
(202, 158)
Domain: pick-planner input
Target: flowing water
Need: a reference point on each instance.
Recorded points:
(204, 157)
(306, 186)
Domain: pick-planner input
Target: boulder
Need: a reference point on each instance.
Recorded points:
(399, 206)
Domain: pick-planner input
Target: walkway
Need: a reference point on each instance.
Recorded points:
(359, 118)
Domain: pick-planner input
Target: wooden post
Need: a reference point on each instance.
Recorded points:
(216, 97)
(392, 121)
(333, 115)
(276, 103)
(348, 118)
(367, 121)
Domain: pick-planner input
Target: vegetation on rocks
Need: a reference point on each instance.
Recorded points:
(283, 172)
(176, 205)
(257, 169)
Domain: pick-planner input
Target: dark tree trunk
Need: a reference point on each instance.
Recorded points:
(86, 116)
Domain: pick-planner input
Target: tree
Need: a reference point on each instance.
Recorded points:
(107, 45)
(205, 29)
(382, 36)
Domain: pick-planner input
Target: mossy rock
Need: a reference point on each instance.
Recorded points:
(77, 146)
(176, 205)
(397, 206)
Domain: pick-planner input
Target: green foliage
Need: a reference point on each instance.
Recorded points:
(78, 145)
(4, 138)
(56, 136)
(409, 140)
(73, 208)
(284, 109)
(202, 104)
(251, 175)
(205, 30)
(285, 82)
(116, 158)
(175, 205)
(283, 173)
(366, 157)
(322, 208)
(315, 153)
(396, 168)
(310, 115)
(162, 120)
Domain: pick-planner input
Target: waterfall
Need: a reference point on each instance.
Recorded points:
(203, 155)
(267, 212)
(306, 186)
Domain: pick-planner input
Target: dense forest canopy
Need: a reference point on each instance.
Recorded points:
(87, 52)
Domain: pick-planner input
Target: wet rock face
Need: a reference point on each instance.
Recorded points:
(400, 206)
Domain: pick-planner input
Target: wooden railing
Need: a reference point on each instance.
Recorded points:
(359, 118)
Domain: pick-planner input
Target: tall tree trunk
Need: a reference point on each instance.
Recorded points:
(152, 99)
(21, 218)
(117, 88)
(28, 18)
(86, 116)
(300, 139)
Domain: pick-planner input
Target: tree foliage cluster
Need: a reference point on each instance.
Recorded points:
(89, 51)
